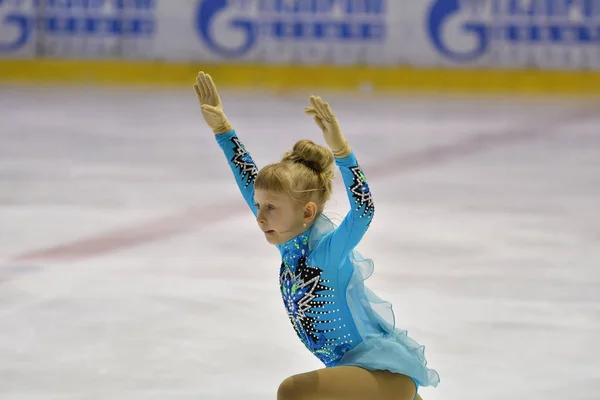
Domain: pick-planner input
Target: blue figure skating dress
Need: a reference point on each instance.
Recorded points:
(322, 276)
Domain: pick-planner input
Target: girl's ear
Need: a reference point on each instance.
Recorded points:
(310, 212)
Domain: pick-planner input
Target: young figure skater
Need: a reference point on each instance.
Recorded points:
(338, 319)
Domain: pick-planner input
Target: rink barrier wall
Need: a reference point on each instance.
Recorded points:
(293, 77)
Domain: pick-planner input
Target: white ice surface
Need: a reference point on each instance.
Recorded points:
(489, 250)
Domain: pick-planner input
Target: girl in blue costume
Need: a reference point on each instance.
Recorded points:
(339, 320)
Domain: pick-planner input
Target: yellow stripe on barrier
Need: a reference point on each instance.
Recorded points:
(290, 77)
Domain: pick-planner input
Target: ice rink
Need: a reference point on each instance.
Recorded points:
(130, 267)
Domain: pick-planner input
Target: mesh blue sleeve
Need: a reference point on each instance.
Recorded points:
(243, 167)
(338, 243)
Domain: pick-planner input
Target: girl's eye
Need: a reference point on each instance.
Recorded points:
(270, 207)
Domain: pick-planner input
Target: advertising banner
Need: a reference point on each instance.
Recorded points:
(545, 34)
(77, 28)
(276, 31)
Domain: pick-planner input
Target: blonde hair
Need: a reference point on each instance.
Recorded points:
(305, 173)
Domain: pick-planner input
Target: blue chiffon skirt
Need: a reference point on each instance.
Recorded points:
(383, 346)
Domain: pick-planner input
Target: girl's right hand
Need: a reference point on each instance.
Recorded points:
(210, 104)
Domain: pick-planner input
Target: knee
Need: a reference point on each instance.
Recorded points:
(299, 387)
(287, 390)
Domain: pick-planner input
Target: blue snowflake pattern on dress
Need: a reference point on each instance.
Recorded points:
(302, 291)
(361, 192)
(243, 161)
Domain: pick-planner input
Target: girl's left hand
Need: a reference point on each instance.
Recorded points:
(329, 125)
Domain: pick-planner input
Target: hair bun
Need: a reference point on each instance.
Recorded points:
(305, 173)
(313, 156)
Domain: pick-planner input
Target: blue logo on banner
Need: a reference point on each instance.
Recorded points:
(63, 20)
(513, 22)
(346, 21)
(439, 13)
(14, 22)
(207, 11)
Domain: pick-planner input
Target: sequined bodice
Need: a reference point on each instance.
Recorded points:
(310, 296)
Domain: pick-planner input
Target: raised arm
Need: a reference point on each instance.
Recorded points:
(241, 164)
(243, 167)
(336, 245)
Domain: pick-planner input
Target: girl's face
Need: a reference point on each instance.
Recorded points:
(279, 216)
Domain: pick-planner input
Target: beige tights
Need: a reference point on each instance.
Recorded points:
(347, 383)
